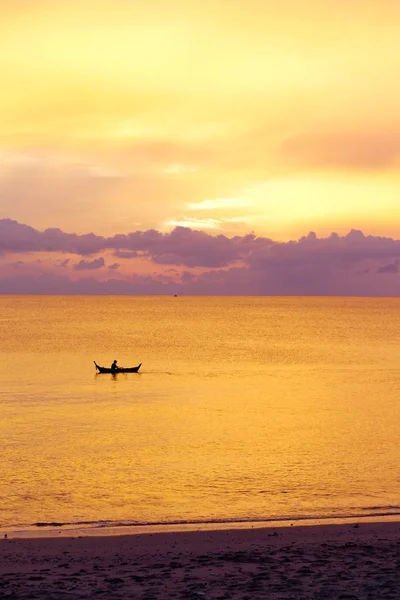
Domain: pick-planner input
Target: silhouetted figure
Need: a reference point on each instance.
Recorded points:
(114, 367)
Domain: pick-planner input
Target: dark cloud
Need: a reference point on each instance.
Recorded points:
(333, 251)
(389, 268)
(352, 264)
(182, 246)
(16, 237)
(89, 265)
(190, 248)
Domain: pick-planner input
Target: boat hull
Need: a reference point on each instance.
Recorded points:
(119, 370)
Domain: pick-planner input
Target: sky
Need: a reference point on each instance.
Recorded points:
(216, 146)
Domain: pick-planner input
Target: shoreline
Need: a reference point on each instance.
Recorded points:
(358, 561)
(66, 531)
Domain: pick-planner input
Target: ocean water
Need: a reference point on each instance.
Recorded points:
(244, 409)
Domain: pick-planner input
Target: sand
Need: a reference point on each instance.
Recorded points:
(346, 561)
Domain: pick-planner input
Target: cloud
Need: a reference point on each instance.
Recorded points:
(344, 150)
(48, 186)
(389, 268)
(16, 237)
(186, 246)
(126, 254)
(200, 223)
(220, 203)
(197, 262)
(332, 251)
(37, 161)
(178, 169)
(89, 265)
(182, 246)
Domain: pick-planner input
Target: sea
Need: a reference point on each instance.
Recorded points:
(245, 410)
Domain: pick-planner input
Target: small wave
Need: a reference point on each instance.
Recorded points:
(388, 511)
(388, 507)
(74, 523)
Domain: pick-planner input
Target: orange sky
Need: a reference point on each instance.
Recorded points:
(232, 116)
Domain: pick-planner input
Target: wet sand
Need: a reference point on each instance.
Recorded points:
(347, 561)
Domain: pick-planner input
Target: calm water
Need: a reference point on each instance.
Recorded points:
(244, 409)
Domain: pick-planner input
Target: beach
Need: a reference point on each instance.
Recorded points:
(348, 561)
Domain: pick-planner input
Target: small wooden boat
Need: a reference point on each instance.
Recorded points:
(118, 370)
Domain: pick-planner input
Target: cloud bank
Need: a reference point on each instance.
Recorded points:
(194, 262)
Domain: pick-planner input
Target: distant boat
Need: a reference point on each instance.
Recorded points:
(118, 370)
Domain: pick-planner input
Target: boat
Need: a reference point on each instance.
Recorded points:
(118, 370)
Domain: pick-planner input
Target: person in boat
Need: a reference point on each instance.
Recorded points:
(114, 366)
